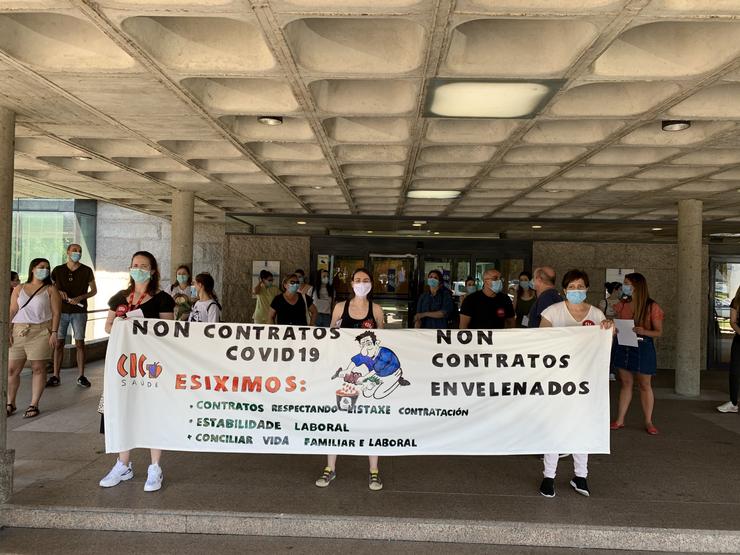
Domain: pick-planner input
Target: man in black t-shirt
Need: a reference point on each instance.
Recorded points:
(76, 284)
(490, 308)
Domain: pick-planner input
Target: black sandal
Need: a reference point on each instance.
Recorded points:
(9, 409)
(31, 411)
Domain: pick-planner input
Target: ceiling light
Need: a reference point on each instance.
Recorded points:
(552, 190)
(536, 227)
(657, 229)
(433, 193)
(369, 231)
(301, 222)
(482, 98)
(420, 221)
(82, 157)
(675, 124)
(270, 120)
(436, 232)
(317, 187)
(416, 225)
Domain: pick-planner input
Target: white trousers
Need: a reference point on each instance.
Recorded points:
(580, 465)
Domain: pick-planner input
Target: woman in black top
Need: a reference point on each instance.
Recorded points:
(141, 299)
(292, 308)
(357, 312)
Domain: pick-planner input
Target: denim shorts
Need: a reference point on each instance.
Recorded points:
(78, 322)
(640, 360)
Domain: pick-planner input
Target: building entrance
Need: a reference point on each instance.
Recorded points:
(400, 267)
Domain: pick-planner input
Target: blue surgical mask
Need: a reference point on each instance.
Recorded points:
(432, 282)
(293, 287)
(183, 279)
(497, 286)
(41, 273)
(524, 284)
(531, 284)
(576, 296)
(627, 289)
(324, 280)
(75, 256)
(139, 275)
(471, 289)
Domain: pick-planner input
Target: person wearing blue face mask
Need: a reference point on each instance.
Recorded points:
(292, 308)
(76, 283)
(141, 299)
(575, 311)
(35, 309)
(183, 291)
(489, 308)
(434, 306)
(525, 298)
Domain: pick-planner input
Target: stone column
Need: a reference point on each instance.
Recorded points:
(7, 149)
(693, 299)
(183, 215)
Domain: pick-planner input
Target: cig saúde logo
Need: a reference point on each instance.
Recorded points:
(135, 366)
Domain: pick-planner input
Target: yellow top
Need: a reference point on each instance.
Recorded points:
(264, 298)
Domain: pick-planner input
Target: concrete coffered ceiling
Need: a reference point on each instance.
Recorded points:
(128, 100)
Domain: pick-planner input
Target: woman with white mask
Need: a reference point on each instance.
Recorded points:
(358, 311)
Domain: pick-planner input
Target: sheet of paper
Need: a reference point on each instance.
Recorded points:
(625, 335)
(138, 313)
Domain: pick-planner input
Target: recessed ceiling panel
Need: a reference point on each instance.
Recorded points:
(516, 47)
(287, 151)
(543, 155)
(248, 128)
(710, 157)
(447, 170)
(719, 101)
(365, 97)
(470, 131)
(670, 49)
(202, 44)
(571, 132)
(613, 99)
(373, 170)
(617, 155)
(356, 45)
(243, 96)
(457, 154)
(374, 153)
(367, 130)
(57, 42)
(652, 134)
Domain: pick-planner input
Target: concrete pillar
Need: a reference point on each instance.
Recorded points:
(693, 299)
(183, 216)
(7, 149)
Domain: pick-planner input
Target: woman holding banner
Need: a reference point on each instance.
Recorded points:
(358, 311)
(574, 311)
(640, 361)
(141, 299)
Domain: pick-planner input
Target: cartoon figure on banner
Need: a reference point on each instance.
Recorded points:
(383, 373)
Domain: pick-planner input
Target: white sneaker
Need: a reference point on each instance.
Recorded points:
(119, 473)
(727, 407)
(153, 478)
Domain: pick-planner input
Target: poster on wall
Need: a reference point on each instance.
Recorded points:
(617, 274)
(322, 262)
(269, 265)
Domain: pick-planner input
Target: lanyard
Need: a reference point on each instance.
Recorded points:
(130, 301)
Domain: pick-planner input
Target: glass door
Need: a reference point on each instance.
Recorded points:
(394, 287)
(724, 284)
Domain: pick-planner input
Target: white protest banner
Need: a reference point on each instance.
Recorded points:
(287, 389)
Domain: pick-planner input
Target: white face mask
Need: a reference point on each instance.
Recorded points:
(362, 289)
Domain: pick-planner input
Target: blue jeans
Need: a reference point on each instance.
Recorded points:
(323, 320)
(78, 321)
